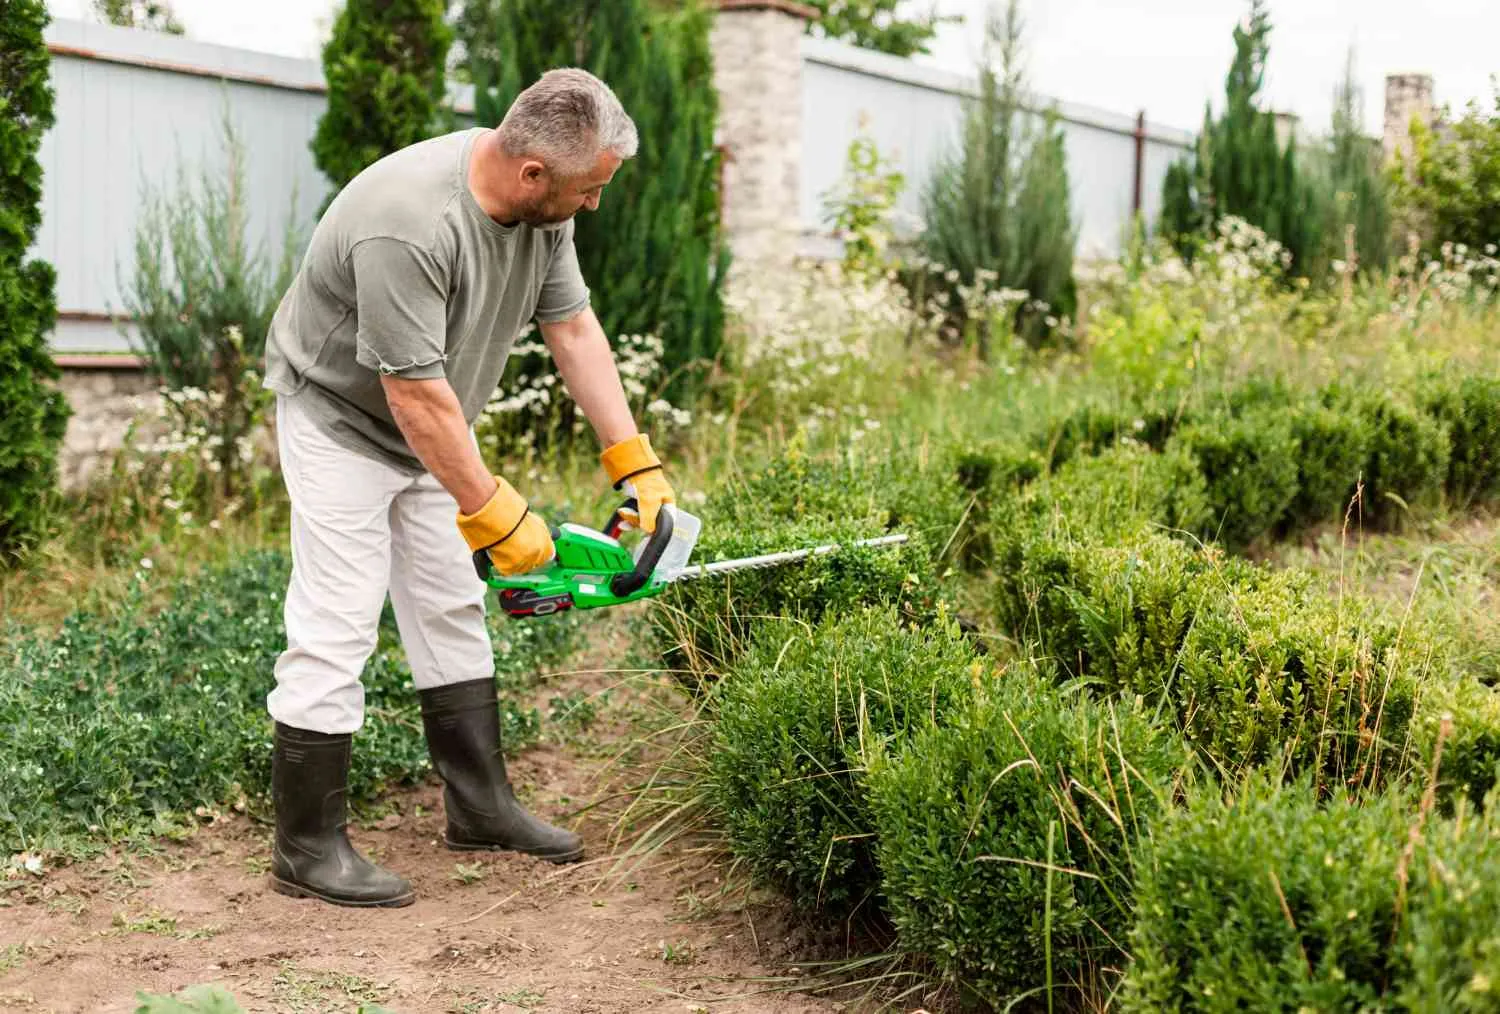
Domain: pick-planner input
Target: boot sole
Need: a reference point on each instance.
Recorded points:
(292, 890)
(551, 857)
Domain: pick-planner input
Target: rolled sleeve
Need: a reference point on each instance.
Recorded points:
(402, 306)
(564, 293)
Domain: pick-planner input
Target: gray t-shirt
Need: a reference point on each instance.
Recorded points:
(405, 274)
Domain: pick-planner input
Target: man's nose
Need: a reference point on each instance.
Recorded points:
(591, 202)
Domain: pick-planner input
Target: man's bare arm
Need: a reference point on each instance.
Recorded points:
(581, 351)
(431, 419)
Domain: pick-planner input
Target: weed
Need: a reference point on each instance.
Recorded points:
(297, 989)
(468, 873)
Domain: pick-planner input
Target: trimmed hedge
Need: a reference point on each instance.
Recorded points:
(1012, 831)
(794, 503)
(1253, 664)
(1278, 459)
(1468, 407)
(1268, 902)
(1409, 453)
(1333, 448)
(1249, 463)
(795, 722)
(1276, 901)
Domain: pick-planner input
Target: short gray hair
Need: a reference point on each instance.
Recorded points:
(566, 119)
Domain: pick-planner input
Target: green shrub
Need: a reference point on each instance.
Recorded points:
(1468, 408)
(1250, 465)
(1275, 671)
(796, 719)
(1332, 449)
(1251, 662)
(795, 503)
(990, 472)
(1095, 426)
(385, 63)
(1007, 835)
(993, 467)
(1113, 615)
(1469, 764)
(1450, 947)
(1107, 496)
(999, 203)
(1266, 901)
(126, 716)
(33, 412)
(1409, 453)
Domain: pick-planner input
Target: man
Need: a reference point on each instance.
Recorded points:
(390, 341)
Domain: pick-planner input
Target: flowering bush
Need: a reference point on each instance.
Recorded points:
(531, 410)
(190, 456)
(823, 344)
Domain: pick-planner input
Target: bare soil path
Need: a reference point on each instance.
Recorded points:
(489, 932)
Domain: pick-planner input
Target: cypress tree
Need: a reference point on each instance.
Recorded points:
(1238, 166)
(1359, 196)
(652, 253)
(33, 413)
(1001, 201)
(385, 66)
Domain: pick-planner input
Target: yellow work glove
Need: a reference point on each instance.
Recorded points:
(517, 540)
(634, 468)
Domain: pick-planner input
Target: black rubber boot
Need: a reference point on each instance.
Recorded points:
(462, 722)
(312, 857)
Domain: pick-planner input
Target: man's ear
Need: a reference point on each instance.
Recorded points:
(532, 172)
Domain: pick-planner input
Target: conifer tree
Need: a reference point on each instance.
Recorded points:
(1239, 167)
(385, 67)
(33, 413)
(1000, 203)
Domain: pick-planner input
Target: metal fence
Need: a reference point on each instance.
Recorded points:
(135, 108)
(914, 114)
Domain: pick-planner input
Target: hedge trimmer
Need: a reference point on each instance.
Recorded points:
(593, 569)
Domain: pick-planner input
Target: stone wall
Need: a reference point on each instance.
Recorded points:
(104, 400)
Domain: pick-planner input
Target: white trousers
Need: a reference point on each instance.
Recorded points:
(362, 530)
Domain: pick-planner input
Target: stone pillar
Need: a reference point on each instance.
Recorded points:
(1406, 96)
(758, 75)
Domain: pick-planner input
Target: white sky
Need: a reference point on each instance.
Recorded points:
(1166, 56)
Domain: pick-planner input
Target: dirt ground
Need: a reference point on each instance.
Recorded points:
(489, 932)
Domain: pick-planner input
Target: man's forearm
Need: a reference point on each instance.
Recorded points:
(432, 421)
(587, 366)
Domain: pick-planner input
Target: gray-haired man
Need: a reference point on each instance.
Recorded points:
(389, 342)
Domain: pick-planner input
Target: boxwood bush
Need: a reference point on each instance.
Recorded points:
(795, 502)
(1256, 665)
(1267, 900)
(1450, 943)
(1007, 836)
(1333, 448)
(1409, 453)
(1249, 463)
(796, 719)
(1468, 407)
(1109, 498)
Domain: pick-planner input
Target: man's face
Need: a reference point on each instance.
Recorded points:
(559, 198)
